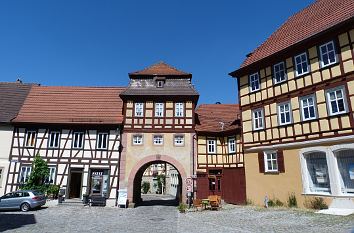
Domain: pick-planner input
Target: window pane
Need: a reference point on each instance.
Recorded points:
(318, 171)
(345, 160)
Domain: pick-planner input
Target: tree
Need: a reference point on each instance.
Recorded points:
(38, 175)
(146, 187)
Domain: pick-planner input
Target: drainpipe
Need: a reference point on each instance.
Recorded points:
(119, 158)
(193, 170)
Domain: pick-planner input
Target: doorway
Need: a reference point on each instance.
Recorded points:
(75, 183)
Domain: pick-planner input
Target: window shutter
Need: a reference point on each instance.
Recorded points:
(261, 161)
(280, 158)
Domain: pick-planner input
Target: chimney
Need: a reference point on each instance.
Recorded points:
(19, 81)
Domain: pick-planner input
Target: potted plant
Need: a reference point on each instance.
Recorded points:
(182, 207)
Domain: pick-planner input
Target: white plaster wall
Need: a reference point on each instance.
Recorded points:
(5, 146)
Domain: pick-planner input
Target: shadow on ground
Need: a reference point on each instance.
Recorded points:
(158, 202)
(13, 221)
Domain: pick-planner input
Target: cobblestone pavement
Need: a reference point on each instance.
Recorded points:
(165, 218)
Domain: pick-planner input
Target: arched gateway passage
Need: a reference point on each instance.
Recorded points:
(136, 174)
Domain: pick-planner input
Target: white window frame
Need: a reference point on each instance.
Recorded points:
(259, 119)
(211, 146)
(139, 109)
(159, 83)
(327, 52)
(276, 72)
(178, 140)
(26, 174)
(232, 145)
(329, 106)
(52, 174)
(271, 159)
(2, 169)
(159, 109)
(79, 138)
(100, 142)
(179, 109)
(302, 62)
(138, 139)
(158, 140)
(314, 104)
(54, 139)
(31, 135)
(284, 112)
(254, 79)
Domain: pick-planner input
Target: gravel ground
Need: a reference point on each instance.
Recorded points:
(165, 218)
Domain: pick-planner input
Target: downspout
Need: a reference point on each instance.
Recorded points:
(119, 159)
(194, 170)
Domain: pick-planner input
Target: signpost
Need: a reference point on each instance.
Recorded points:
(189, 189)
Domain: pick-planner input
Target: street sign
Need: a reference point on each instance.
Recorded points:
(122, 197)
(189, 185)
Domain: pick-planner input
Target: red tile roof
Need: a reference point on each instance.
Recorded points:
(217, 117)
(160, 69)
(314, 19)
(72, 105)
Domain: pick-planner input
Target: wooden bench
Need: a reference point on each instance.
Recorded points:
(215, 202)
(197, 203)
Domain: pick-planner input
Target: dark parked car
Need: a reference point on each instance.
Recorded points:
(23, 200)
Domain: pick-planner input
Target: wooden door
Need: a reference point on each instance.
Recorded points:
(234, 185)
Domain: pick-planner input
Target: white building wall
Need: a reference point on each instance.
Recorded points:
(5, 147)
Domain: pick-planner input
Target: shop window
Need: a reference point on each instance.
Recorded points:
(317, 169)
(100, 182)
(345, 161)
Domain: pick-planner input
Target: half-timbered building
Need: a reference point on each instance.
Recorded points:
(159, 121)
(297, 98)
(77, 130)
(220, 165)
(12, 96)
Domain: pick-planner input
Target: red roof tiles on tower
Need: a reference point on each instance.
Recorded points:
(160, 69)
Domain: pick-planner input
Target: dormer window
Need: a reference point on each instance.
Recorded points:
(159, 83)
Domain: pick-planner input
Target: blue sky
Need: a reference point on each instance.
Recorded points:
(98, 42)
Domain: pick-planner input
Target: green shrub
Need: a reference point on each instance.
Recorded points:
(292, 202)
(316, 203)
(145, 186)
(249, 201)
(275, 202)
(53, 190)
(182, 207)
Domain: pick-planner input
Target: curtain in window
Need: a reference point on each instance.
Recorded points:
(345, 161)
(318, 172)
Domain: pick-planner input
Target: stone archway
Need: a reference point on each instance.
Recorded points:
(140, 166)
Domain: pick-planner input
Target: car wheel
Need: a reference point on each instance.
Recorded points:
(25, 207)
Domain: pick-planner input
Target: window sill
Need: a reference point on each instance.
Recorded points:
(255, 91)
(279, 83)
(338, 114)
(327, 66)
(102, 149)
(302, 75)
(255, 130)
(271, 173)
